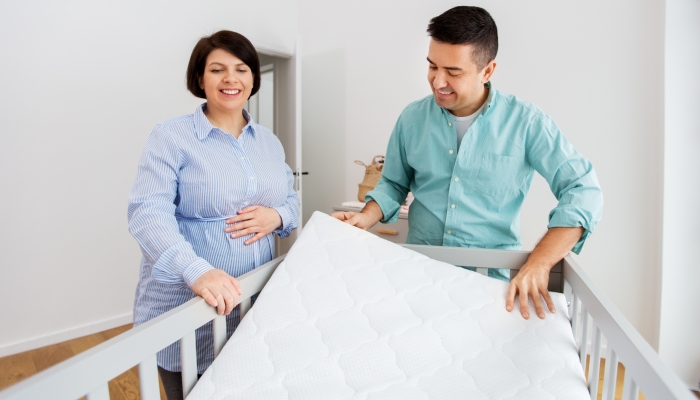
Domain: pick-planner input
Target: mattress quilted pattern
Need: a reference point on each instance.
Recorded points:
(348, 315)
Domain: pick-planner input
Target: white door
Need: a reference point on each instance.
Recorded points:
(287, 115)
(296, 62)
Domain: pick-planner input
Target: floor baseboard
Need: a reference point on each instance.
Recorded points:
(66, 334)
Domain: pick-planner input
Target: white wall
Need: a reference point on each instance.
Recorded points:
(83, 83)
(680, 299)
(596, 67)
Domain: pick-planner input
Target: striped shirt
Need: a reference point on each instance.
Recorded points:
(191, 177)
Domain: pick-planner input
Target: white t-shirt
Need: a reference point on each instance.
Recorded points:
(462, 124)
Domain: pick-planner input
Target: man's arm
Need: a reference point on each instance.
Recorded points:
(533, 277)
(383, 203)
(365, 219)
(573, 182)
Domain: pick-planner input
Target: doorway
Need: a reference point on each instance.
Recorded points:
(277, 106)
(262, 106)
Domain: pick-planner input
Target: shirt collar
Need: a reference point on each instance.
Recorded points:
(203, 127)
(251, 126)
(490, 100)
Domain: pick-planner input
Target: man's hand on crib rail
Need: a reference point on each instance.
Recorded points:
(219, 289)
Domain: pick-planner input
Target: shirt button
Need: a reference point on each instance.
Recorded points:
(449, 232)
(449, 123)
(453, 206)
(451, 151)
(456, 179)
(251, 178)
(245, 203)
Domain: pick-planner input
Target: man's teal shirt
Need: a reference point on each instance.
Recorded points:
(471, 195)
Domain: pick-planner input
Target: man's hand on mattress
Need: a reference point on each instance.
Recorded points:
(219, 289)
(257, 220)
(366, 219)
(533, 277)
(353, 218)
(532, 280)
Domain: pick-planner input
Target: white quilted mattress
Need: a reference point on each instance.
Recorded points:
(348, 315)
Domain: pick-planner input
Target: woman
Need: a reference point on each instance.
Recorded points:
(211, 190)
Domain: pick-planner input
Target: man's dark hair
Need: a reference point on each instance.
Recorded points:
(234, 43)
(467, 25)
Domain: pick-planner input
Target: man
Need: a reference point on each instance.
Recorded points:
(468, 153)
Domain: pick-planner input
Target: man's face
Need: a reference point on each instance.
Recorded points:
(456, 81)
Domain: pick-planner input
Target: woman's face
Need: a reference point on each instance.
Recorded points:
(227, 81)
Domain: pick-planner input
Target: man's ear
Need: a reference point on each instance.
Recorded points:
(488, 71)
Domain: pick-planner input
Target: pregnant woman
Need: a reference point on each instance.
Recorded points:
(212, 190)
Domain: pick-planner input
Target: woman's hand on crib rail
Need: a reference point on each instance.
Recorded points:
(218, 289)
(257, 220)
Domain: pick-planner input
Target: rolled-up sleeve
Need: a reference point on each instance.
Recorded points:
(289, 211)
(570, 176)
(151, 214)
(394, 185)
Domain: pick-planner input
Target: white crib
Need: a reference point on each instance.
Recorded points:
(593, 317)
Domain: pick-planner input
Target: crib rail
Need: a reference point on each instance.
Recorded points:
(593, 316)
(644, 370)
(87, 374)
(483, 259)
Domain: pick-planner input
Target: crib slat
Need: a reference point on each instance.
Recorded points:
(566, 290)
(188, 362)
(569, 296)
(583, 346)
(574, 315)
(244, 307)
(219, 330)
(148, 379)
(610, 375)
(482, 271)
(99, 393)
(630, 391)
(594, 365)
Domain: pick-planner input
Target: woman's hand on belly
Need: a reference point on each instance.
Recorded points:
(219, 289)
(257, 220)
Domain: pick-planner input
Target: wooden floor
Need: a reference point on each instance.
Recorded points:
(620, 380)
(619, 383)
(20, 366)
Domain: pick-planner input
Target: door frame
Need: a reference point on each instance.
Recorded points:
(287, 120)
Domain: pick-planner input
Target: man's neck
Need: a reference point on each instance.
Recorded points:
(474, 107)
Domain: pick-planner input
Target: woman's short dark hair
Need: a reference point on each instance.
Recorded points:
(467, 25)
(234, 43)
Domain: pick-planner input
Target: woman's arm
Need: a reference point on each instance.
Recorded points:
(152, 213)
(152, 222)
(289, 211)
(262, 221)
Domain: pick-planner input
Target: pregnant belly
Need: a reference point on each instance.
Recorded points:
(210, 242)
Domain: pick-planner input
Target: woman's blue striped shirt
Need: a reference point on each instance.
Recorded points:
(192, 176)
